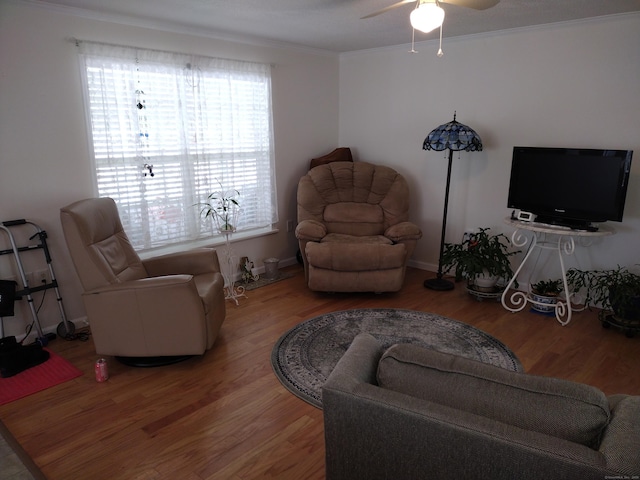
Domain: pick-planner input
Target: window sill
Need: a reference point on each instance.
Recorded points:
(208, 242)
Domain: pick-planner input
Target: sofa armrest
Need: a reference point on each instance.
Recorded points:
(403, 231)
(620, 442)
(310, 230)
(360, 365)
(192, 262)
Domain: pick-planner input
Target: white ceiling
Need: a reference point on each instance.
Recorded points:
(333, 25)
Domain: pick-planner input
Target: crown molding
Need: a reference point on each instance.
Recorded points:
(170, 27)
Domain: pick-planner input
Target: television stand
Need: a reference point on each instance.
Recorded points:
(563, 245)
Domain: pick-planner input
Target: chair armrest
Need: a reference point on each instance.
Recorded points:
(620, 442)
(192, 262)
(167, 281)
(158, 316)
(403, 231)
(310, 230)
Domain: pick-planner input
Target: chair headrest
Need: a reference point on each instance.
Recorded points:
(95, 218)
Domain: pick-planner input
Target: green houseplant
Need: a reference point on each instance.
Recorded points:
(223, 207)
(616, 290)
(479, 255)
(548, 288)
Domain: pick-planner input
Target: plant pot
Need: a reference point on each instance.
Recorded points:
(485, 282)
(549, 303)
(629, 312)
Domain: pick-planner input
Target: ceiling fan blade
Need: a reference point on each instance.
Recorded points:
(475, 4)
(390, 7)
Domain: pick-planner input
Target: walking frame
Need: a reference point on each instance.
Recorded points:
(65, 328)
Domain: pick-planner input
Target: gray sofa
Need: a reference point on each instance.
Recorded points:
(414, 413)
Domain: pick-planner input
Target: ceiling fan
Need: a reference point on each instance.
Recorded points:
(428, 15)
(475, 4)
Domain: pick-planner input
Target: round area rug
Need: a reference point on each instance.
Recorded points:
(303, 357)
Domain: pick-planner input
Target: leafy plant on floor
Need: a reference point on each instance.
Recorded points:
(547, 288)
(616, 289)
(479, 254)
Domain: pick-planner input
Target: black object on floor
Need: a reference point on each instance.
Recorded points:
(15, 357)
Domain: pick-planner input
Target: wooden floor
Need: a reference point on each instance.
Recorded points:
(226, 416)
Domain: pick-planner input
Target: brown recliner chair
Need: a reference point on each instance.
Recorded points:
(154, 310)
(353, 227)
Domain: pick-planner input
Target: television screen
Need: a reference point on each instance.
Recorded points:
(569, 186)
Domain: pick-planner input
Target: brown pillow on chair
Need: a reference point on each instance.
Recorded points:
(342, 154)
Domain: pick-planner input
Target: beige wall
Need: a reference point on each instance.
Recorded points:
(573, 84)
(566, 85)
(44, 159)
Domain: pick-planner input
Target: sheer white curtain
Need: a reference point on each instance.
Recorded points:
(195, 123)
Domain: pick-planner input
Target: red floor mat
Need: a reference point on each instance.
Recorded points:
(53, 372)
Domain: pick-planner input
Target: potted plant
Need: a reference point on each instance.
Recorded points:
(545, 295)
(223, 207)
(615, 290)
(482, 259)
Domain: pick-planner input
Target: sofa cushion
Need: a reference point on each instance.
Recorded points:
(571, 411)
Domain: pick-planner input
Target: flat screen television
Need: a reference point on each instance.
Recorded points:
(572, 187)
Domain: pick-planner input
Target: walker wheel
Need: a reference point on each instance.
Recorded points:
(63, 331)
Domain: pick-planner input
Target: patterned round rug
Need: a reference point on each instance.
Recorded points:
(303, 357)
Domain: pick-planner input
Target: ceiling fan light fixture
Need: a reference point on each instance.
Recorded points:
(427, 17)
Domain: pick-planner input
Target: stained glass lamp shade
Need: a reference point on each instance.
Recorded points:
(453, 136)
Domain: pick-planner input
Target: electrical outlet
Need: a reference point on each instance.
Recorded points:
(289, 225)
(469, 232)
(41, 277)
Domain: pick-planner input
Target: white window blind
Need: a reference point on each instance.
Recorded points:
(195, 122)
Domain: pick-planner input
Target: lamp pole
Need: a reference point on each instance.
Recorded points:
(440, 283)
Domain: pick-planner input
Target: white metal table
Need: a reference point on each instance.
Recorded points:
(562, 242)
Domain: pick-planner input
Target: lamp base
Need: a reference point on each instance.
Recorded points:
(439, 284)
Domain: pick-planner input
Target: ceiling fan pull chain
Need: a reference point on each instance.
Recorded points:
(413, 41)
(440, 52)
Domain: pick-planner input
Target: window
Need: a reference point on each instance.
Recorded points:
(168, 129)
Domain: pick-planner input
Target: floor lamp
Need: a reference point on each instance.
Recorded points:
(454, 136)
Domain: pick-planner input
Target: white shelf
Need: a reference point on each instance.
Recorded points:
(564, 244)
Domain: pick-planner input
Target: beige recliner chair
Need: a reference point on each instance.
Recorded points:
(151, 310)
(353, 227)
